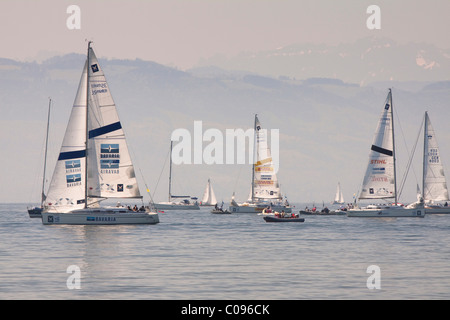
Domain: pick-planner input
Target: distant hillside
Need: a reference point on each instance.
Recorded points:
(364, 61)
(326, 124)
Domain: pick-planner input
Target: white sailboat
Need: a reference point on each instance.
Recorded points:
(434, 184)
(35, 212)
(94, 163)
(265, 189)
(339, 198)
(184, 202)
(380, 178)
(209, 197)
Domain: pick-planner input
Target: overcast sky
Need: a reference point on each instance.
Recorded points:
(180, 32)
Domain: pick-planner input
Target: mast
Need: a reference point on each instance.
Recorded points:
(393, 145)
(45, 152)
(170, 171)
(87, 130)
(425, 156)
(253, 165)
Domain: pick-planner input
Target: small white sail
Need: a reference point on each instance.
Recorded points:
(209, 198)
(265, 182)
(339, 197)
(379, 180)
(434, 182)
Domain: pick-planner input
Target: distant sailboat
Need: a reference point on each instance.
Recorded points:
(380, 178)
(339, 198)
(265, 189)
(94, 163)
(209, 198)
(184, 203)
(35, 212)
(434, 184)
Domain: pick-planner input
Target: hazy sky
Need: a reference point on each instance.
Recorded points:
(180, 32)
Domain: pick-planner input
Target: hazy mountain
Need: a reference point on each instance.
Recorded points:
(326, 124)
(364, 61)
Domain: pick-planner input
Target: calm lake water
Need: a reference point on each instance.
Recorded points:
(199, 255)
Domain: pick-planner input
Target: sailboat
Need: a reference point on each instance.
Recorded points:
(35, 212)
(339, 198)
(380, 181)
(94, 163)
(434, 184)
(265, 189)
(209, 198)
(171, 204)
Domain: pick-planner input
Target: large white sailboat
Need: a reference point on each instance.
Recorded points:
(176, 202)
(94, 163)
(265, 189)
(209, 197)
(434, 184)
(380, 181)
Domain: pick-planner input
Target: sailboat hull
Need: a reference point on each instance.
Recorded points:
(257, 209)
(437, 210)
(35, 212)
(387, 213)
(174, 206)
(100, 217)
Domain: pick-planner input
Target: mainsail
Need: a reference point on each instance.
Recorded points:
(379, 180)
(265, 183)
(109, 170)
(434, 182)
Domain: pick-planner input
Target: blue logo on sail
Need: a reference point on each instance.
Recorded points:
(109, 164)
(73, 179)
(109, 148)
(109, 158)
(378, 170)
(94, 68)
(73, 164)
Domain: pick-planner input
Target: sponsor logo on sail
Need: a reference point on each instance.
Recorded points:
(109, 158)
(73, 180)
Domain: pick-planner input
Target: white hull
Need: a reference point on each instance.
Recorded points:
(100, 217)
(257, 209)
(168, 206)
(441, 210)
(387, 213)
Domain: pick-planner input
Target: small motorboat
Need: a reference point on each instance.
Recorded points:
(220, 211)
(283, 219)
